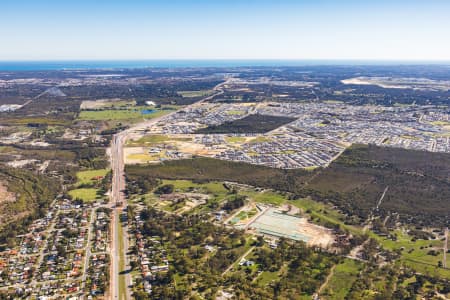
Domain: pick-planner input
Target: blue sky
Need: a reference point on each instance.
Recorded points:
(216, 29)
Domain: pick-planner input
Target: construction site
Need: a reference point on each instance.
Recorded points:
(277, 222)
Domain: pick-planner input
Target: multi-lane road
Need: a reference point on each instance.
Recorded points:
(118, 251)
(117, 196)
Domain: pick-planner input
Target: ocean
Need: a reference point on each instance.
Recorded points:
(135, 64)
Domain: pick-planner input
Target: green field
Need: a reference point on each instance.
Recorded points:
(87, 177)
(192, 94)
(86, 189)
(218, 190)
(133, 113)
(157, 139)
(213, 187)
(267, 277)
(267, 197)
(235, 139)
(344, 276)
(415, 253)
(87, 194)
(108, 114)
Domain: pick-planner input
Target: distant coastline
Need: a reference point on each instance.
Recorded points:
(138, 64)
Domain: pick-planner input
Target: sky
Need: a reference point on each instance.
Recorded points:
(224, 29)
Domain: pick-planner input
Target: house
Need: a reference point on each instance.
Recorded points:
(246, 263)
(209, 248)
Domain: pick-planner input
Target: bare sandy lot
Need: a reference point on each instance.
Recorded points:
(21, 163)
(5, 195)
(173, 147)
(105, 103)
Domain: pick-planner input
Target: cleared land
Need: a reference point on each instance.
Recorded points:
(5, 195)
(423, 84)
(134, 113)
(106, 103)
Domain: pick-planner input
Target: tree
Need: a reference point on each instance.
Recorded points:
(165, 189)
(133, 264)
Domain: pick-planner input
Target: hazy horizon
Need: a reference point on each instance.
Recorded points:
(54, 65)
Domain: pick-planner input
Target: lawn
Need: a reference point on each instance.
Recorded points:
(344, 276)
(87, 195)
(268, 197)
(87, 177)
(267, 277)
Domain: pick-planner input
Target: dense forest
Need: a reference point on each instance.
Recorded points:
(250, 124)
(418, 182)
(33, 192)
(205, 169)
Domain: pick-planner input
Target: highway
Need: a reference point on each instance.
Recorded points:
(118, 186)
(117, 196)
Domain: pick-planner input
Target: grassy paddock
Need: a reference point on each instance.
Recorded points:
(87, 195)
(133, 113)
(87, 177)
(415, 253)
(345, 274)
